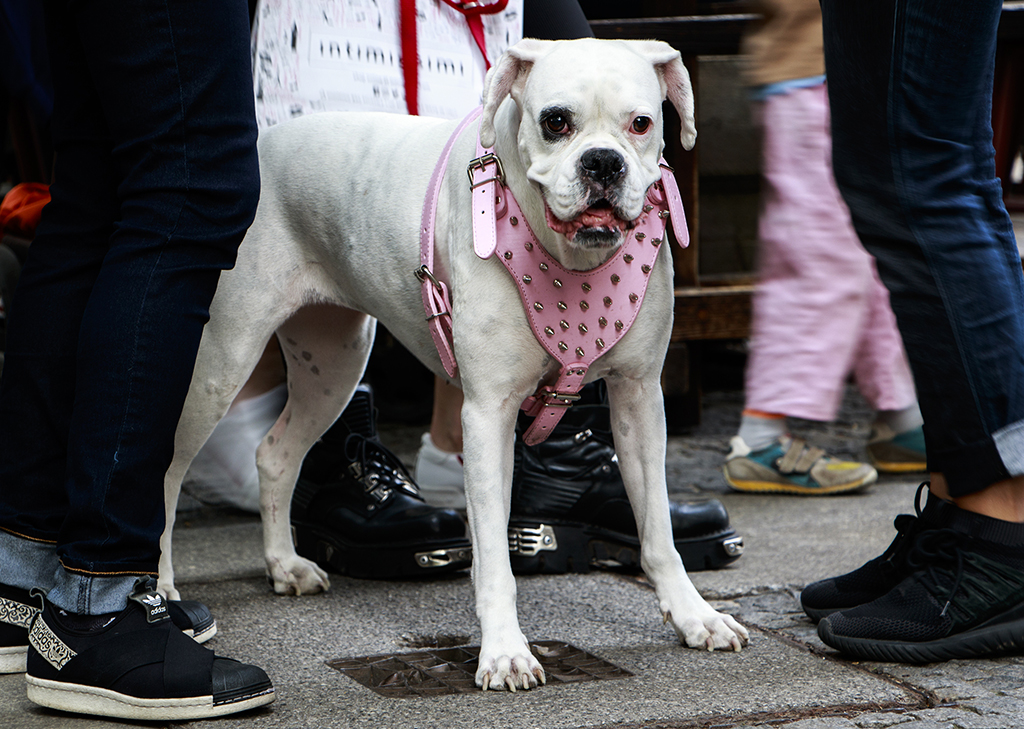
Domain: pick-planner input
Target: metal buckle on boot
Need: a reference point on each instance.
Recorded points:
(373, 485)
(733, 546)
(443, 557)
(582, 436)
(526, 542)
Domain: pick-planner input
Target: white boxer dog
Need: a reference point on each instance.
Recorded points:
(334, 247)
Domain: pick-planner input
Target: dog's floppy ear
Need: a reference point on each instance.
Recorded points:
(509, 72)
(676, 81)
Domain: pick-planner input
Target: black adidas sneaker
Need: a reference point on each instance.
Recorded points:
(134, 664)
(18, 609)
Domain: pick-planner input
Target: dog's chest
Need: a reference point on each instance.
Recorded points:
(579, 315)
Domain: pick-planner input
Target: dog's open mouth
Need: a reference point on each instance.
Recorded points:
(597, 226)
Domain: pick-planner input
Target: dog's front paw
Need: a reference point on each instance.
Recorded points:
(296, 575)
(512, 668)
(168, 590)
(709, 630)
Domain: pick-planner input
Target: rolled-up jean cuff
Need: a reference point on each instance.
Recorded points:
(90, 594)
(970, 468)
(1009, 442)
(27, 563)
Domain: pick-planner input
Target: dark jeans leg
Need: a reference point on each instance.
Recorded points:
(155, 184)
(910, 86)
(554, 20)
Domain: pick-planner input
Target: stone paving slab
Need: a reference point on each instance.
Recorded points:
(611, 616)
(786, 677)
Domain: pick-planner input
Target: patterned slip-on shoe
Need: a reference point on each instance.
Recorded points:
(17, 611)
(18, 608)
(791, 466)
(135, 664)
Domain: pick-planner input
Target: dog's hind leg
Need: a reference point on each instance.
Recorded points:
(326, 348)
(638, 424)
(224, 362)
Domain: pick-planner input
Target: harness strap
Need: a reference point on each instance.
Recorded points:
(471, 9)
(575, 315)
(437, 301)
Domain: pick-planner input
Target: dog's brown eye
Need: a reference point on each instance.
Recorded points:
(641, 124)
(556, 124)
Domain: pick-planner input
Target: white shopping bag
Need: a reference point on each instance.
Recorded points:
(346, 55)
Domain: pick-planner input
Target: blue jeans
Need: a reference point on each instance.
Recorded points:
(910, 87)
(155, 183)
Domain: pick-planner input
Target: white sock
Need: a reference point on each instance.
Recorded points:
(224, 471)
(758, 432)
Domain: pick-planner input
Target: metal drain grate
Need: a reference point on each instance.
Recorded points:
(441, 671)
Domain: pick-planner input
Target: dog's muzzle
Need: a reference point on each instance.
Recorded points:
(602, 166)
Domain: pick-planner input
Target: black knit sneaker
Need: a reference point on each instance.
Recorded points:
(357, 511)
(964, 598)
(135, 664)
(876, 577)
(570, 511)
(18, 609)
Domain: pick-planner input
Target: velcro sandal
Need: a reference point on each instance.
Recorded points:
(892, 452)
(791, 466)
(136, 664)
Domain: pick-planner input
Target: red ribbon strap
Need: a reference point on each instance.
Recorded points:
(472, 9)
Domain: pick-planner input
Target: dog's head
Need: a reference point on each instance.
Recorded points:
(590, 132)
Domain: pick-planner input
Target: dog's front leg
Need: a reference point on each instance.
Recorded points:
(165, 579)
(638, 424)
(505, 657)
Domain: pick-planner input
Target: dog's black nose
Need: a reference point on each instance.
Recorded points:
(603, 165)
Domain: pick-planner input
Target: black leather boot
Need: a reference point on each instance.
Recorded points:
(570, 511)
(357, 511)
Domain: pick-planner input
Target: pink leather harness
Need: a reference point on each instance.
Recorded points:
(576, 315)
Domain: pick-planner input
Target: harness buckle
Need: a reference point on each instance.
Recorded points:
(561, 399)
(481, 163)
(424, 273)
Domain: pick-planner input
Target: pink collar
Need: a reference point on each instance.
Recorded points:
(576, 315)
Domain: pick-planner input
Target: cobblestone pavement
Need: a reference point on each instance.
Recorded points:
(969, 694)
(974, 694)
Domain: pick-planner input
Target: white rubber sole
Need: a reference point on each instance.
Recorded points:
(96, 701)
(13, 658)
(202, 636)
